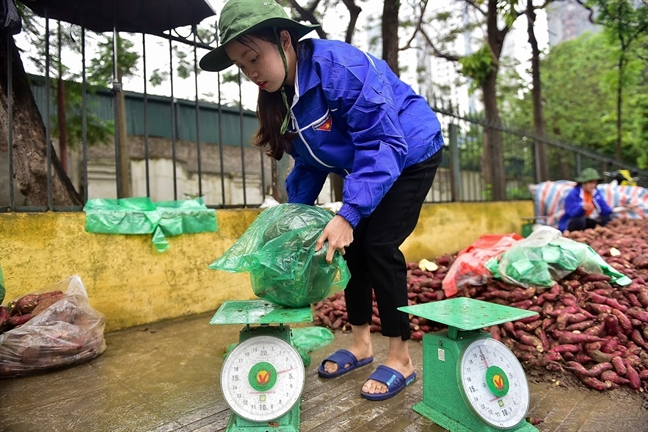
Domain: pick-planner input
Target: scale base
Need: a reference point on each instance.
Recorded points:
(454, 426)
(289, 422)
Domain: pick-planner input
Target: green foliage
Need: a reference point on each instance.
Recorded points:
(97, 130)
(477, 66)
(640, 103)
(579, 97)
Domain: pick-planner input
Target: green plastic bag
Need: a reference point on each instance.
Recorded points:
(278, 250)
(121, 216)
(142, 216)
(546, 257)
(182, 217)
(308, 339)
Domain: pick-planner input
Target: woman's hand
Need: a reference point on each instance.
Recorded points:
(339, 234)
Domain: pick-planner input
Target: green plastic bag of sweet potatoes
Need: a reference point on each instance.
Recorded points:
(278, 250)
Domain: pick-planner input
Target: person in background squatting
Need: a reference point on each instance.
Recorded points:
(585, 206)
(336, 109)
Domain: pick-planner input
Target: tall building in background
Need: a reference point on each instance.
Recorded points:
(567, 20)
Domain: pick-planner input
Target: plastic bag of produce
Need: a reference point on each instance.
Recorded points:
(546, 257)
(468, 268)
(278, 250)
(50, 329)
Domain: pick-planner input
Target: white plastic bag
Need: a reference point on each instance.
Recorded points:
(66, 332)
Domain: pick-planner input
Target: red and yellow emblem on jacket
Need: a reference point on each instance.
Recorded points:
(324, 126)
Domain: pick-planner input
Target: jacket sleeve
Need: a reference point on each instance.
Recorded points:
(364, 99)
(603, 205)
(573, 204)
(304, 183)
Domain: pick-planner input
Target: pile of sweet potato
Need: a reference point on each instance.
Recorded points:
(25, 308)
(586, 325)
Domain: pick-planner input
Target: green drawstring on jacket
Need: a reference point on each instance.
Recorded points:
(284, 125)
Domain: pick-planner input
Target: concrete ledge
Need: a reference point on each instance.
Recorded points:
(133, 284)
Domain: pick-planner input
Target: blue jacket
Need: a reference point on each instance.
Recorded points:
(356, 118)
(574, 205)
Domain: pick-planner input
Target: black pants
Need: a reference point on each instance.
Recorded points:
(374, 258)
(582, 223)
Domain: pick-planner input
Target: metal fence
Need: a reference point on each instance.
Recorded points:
(187, 148)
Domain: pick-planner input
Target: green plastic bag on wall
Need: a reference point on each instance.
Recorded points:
(140, 215)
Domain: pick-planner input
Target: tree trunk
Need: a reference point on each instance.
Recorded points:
(493, 166)
(390, 34)
(494, 157)
(541, 168)
(619, 108)
(29, 146)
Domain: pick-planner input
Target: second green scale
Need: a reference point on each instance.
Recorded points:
(471, 382)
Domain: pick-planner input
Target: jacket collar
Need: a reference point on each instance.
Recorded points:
(305, 78)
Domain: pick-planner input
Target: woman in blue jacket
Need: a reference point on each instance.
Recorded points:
(585, 206)
(336, 109)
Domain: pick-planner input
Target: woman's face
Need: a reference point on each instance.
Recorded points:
(261, 62)
(590, 186)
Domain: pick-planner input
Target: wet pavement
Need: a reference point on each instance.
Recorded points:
(166, 377)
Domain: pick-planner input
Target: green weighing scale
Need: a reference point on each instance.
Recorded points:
(471, 382)
(263, 376)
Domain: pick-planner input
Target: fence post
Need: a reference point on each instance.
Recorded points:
(455, 173)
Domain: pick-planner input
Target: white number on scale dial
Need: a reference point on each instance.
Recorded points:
(494, 383)
(262, 378)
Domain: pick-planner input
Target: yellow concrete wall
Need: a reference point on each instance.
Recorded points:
(132, 284)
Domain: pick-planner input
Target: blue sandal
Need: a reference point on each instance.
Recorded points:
(342, 357)
(394, 380)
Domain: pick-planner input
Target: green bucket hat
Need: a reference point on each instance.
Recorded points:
(239, 17)
(588, 174)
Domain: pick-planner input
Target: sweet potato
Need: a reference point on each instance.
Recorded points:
(624, 321)
(580, 326)
(594, 383)
(417, 335)
(598, 308)
(642, 296)
(4, 316)
(611, 325)
(619, 365)
(635, 335)
(593, 277)
(633, 377)
(594, 371)
(616, 305)
(25, 304)
(577, 338)
(614, 377)
(641, 315)
(565, 348)
(46, 301)
(18, 320)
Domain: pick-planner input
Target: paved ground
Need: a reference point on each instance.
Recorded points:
(166, 377)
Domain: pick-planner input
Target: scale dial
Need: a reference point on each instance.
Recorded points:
(262, 378)
(494, 384)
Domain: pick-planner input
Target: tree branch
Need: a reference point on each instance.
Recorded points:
(474, 5)
(408, 45)
(354, 12)
(436, 51)
(308, 15)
